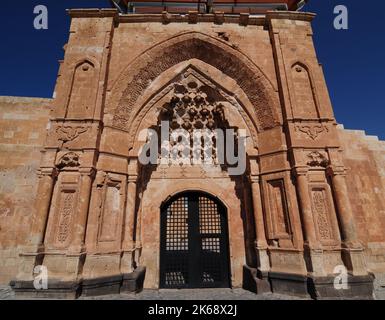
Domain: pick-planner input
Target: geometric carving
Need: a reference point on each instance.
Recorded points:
(249, 78)
(70, 133)
(70, 159)
(321, 214)
(65, 215)
(194, 107)
(317, 159)
(311, 130)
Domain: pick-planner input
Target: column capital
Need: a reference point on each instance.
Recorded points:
(52, 172)
(132, 167)
(300, 171)
(87, 172)
(132, 178)
(333, 170)
(254, 179)
(352, 246)
(260, 244)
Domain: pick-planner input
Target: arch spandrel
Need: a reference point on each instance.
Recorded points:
(140, 74)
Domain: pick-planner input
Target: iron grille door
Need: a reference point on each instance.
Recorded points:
(194, 243)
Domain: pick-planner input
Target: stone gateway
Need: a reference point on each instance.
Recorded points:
(76, 199)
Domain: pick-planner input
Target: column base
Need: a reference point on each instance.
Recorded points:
(358, 287)
(133, 282)
(290, 284)
(255, 281)
(355, 261)
(57, 289)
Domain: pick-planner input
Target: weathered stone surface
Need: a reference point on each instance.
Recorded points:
(23, 123)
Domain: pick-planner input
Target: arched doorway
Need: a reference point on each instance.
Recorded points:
(194, 248)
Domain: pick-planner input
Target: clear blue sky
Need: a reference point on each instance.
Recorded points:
(353, 60)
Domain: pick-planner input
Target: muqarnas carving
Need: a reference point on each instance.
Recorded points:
(195, 108)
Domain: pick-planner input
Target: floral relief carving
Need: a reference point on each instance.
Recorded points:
(70, 159)
(69, 133)
(65, 215)
(312, 131)
(317, 159)
(321, 214)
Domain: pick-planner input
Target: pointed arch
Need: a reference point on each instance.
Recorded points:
(164, 86)
(138, 76)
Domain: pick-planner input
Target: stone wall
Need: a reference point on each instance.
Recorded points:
(365, 161)
(23, 123)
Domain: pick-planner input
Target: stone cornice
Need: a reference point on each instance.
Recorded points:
(92, 13)
(291, 15)
(218, 17)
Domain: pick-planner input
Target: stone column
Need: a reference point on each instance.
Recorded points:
(306, 207)
(128, 245)
(80, 223)
(352, 250)
(313, 246)
(46, 183)
(260, 243)
(32, 253)
(348, 228)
